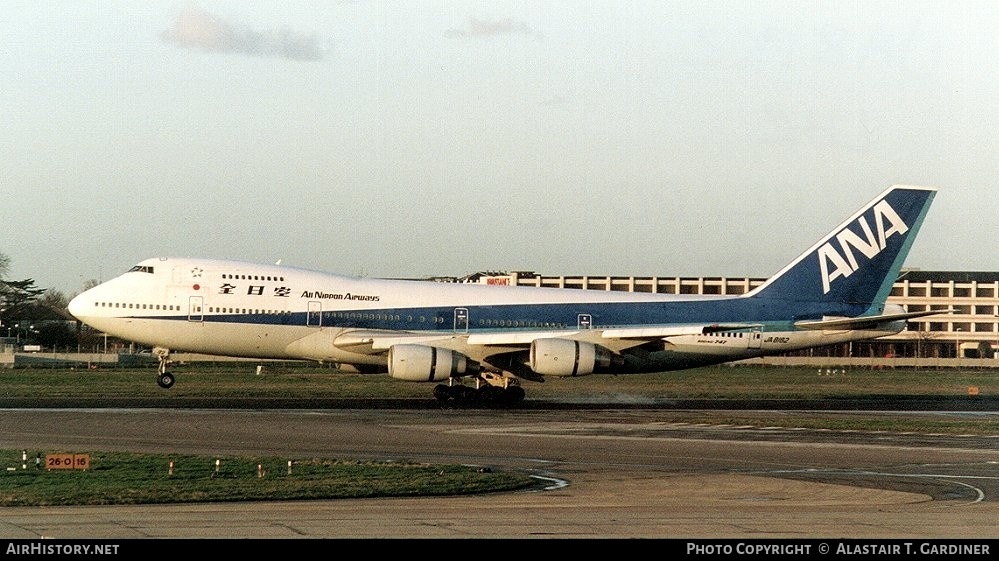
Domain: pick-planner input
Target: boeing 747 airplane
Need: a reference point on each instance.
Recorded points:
(478, 342)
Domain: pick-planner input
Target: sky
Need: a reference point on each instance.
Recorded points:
(412, 139)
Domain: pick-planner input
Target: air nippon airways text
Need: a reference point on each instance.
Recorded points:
(843, 263)
(749, 549)
(60, 549)
(332, 296)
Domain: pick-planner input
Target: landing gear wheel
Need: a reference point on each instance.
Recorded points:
(490, 395)
(464, 395)
(442, 392)
(514, 394)
(165, 380)
(483, 396)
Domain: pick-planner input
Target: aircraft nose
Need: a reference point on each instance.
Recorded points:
(78, 306)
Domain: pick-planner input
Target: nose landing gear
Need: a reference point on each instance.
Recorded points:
(164, 378)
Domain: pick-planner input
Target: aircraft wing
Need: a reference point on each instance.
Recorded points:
(480, 345)
(378, 341)
(863, 322)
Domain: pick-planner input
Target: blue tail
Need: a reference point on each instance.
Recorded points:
(851, 271)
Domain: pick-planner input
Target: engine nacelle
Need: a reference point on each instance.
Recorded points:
(420, 363)
(565, 357)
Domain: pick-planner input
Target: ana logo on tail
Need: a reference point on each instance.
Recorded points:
(842, 263)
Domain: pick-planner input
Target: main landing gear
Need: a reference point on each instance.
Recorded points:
(165, 379)
(489, 391)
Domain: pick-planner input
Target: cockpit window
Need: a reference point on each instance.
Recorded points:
(141, 269)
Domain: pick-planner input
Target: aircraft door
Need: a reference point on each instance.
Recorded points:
(195, 308)
(756, 338)
(315, 316)
(461, 320)
(584, 321)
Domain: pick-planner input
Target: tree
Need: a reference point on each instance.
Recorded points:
(52, 321)
(22, 304)
(54, 334)
(53, 305)
(18, 304)
(18, 297)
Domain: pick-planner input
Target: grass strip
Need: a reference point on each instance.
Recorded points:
(115, 478)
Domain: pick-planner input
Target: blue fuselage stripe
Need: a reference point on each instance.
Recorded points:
(543, 316)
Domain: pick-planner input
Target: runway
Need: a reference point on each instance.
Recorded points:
(607, 474)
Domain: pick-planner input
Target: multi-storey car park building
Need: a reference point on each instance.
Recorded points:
(971, 330)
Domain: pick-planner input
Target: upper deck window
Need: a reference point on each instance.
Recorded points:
(141, 269)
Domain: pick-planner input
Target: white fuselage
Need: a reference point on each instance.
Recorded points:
(267, 311)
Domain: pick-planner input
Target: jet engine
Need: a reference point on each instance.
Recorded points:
(421, 363)
(565, 357)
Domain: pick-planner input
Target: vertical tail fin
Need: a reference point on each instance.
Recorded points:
(851, 271)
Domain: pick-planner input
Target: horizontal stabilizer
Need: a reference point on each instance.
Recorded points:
(864, 322)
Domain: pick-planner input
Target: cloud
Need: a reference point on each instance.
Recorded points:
(485, 28)
(197, 29)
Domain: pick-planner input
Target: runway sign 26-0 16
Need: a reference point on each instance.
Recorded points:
(67, 461)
